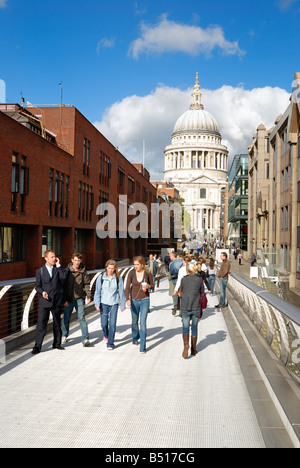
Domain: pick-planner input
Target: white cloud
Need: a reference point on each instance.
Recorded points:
(168, 36)
(285, 4)
(152, 118)
(105, 43)
(3, 3)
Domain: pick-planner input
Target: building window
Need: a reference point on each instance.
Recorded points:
(202, 193)
(12, 244)
(267, 170)
(67, 196)
(24, 183)
(86, 157)
(52, 239)
(91, 203)
(286, 178)
(286, 217)
(79, 201)
(131, 185)
(50, 192)
(121, 180)
(80, 241)
(83, 202)
(15, 172)
(57, 193)
(62, 179)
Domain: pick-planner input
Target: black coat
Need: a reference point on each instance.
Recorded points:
(53, 286)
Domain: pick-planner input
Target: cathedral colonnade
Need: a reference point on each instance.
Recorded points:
(196, 159)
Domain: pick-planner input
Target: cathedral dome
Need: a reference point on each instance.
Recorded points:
(196, 119)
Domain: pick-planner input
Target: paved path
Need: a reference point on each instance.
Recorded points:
(91, 397)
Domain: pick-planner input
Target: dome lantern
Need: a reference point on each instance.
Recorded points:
(196, 96)
(196, 119)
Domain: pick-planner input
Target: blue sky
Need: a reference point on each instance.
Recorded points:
(122, 59)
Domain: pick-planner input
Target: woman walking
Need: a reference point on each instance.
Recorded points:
(201, 271)
(109, 295)
(191, 288)
(211, 275)
(140, 280)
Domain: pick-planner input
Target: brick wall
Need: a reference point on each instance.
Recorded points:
(65, 157)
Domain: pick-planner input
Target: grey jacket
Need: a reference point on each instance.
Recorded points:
(191, 287)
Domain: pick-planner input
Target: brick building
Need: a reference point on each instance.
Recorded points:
(56, 168)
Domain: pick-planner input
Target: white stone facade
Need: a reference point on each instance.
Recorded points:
(196, 163)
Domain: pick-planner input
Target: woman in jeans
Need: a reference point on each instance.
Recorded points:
(211, 273)
(191, 288)
(140, 280)
(109, 295)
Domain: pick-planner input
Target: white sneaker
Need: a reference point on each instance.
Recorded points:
(86, 343)
(64, 339)
(105, 340)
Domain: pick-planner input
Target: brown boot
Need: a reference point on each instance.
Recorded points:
(193, 347)
(186, 345)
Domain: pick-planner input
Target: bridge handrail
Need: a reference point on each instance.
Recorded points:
(291, 311)
(26, 304)
(277, 321)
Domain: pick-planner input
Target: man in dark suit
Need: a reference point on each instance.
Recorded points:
(49, 285)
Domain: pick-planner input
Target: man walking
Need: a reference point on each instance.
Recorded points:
(223, 276)
(153, 267)
(49, 285)
(76, 290)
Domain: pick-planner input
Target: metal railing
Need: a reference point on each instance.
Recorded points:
(19, 302)
(277, 320)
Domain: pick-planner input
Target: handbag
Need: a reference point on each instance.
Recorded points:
(203, 303)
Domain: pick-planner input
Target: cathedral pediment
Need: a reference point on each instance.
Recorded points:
(202, 179)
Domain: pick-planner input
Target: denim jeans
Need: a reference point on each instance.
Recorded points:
(139, 307)
(187, 316)
(108, 317)
(79, 306)
(223, 284)
(211, 281)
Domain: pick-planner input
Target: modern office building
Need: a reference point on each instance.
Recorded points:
(238, 202)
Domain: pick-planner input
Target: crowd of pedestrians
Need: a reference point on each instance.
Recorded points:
(62, 290)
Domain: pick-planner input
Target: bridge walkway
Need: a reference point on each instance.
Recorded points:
(92, 397)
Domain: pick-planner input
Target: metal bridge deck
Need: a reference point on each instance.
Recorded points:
(92, 397)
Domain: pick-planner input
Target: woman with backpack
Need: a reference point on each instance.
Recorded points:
(109, 295)
(191, 289)
(139, 281)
